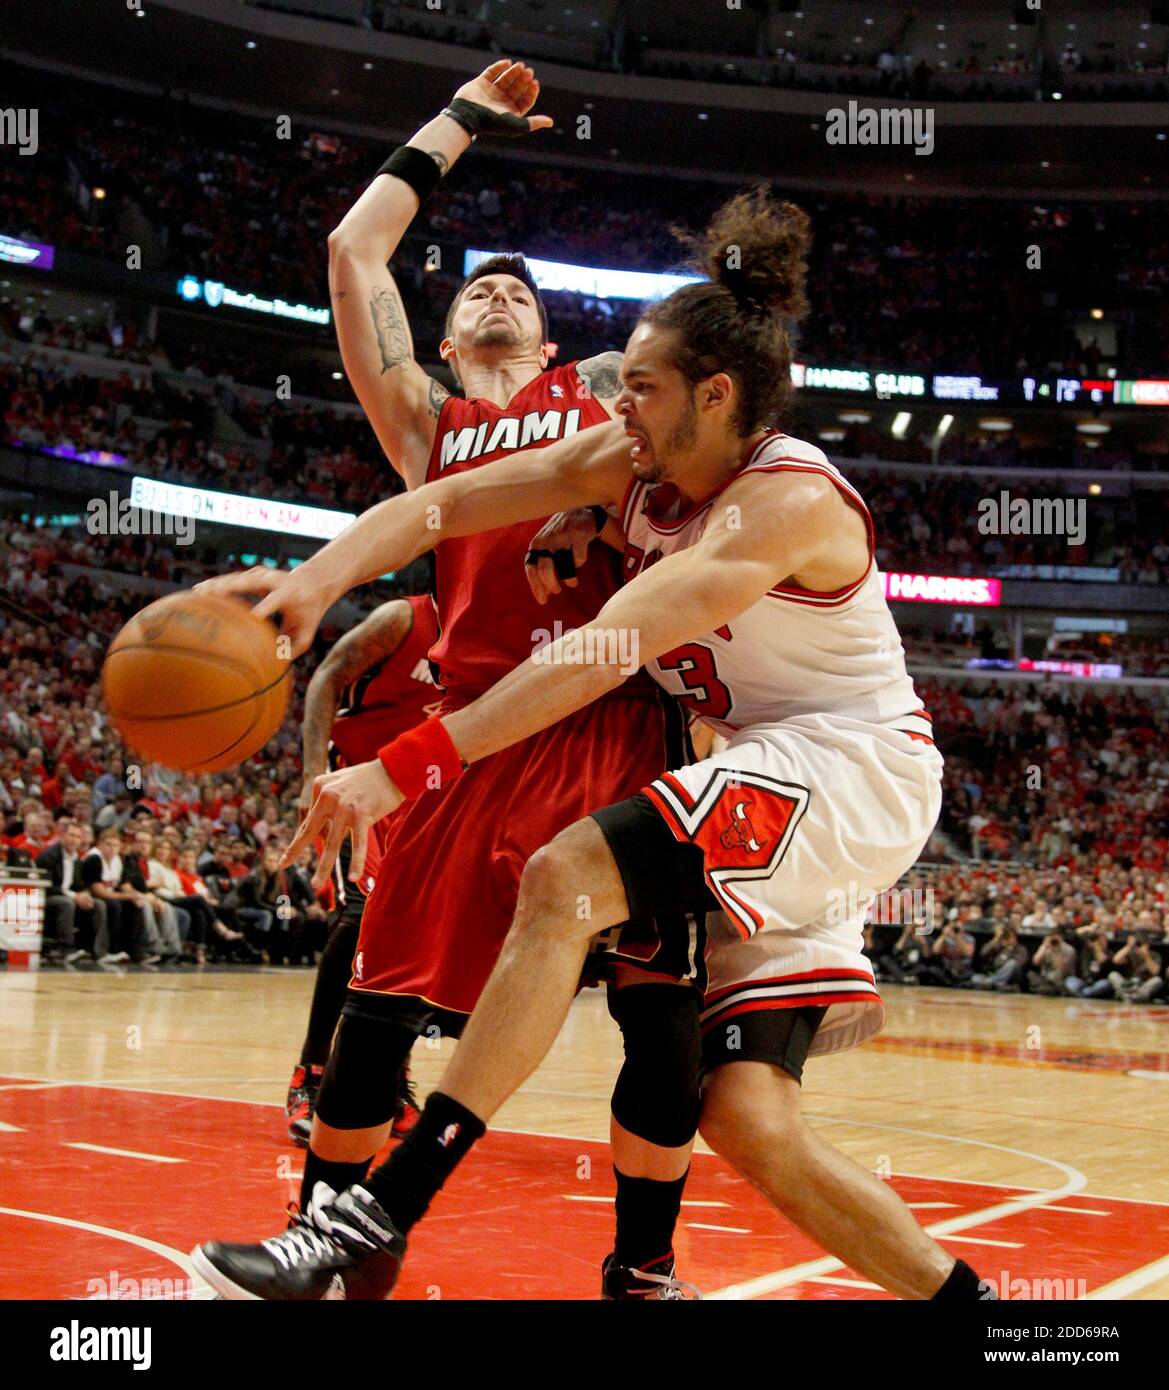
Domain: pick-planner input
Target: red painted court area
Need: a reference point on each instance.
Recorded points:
(528, 1216)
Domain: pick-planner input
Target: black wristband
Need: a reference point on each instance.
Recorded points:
(459, 113)
(481, 120)
(414, 167)
(600, 516)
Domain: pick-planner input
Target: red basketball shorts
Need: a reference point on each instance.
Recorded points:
(446, 888)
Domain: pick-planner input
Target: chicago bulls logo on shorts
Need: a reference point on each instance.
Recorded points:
(740, 834)
(749, 825)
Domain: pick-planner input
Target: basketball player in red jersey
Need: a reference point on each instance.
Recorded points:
(446, 889)
(752, 586)
(374, 684)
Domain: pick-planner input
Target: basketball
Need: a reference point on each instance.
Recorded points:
(195, 682)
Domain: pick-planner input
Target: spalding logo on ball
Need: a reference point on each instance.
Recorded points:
(196, 682)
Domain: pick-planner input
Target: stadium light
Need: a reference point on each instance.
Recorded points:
(591, 280)
(900, 424)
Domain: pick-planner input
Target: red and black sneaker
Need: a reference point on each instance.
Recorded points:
(656, 1280)
(301, 1102)
(406, 1115)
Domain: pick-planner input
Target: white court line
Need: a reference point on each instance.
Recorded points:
(1130, 1283)
(168, 1252)
(1075, 1181)
(924, 1206)
(1022, 1187)
(849, 1283)
(122, 1153)
(1081, 1211)
(986, 1240)
(152, 1091)
(730, 1230)
(33, 1085)
(686, 1201)
(6, 1128)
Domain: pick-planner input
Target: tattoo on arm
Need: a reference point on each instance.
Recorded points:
(367, 646)
(440, 159)
(603, 374)
(435, 397)
(389, 324)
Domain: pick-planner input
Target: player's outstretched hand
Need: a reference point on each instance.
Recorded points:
(300, 603)
(557, 550)
(349, 802)
(509, 90)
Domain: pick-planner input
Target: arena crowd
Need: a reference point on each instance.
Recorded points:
(1054, 828)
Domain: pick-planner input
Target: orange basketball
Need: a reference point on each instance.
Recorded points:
(196, 682)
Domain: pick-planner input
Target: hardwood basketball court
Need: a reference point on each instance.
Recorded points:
(142, 1113)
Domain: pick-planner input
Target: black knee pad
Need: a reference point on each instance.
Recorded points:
(360, 1086)
(657, 1094)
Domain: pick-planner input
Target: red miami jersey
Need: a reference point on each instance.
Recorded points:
(391, 697)
(490, 622)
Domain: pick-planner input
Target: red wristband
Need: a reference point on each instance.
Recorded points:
(422, 759)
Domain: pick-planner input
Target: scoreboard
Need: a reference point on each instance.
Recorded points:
(965, 387)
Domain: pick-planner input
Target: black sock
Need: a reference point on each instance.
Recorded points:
(333, 974)
(404, 1185)
(962, 1285)
(647, 1212)
(339, 1176)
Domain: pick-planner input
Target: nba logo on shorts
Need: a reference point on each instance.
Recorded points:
(213, 292)
(359, 966)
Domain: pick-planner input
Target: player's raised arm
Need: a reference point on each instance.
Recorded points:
(401, 400)
(377, 637)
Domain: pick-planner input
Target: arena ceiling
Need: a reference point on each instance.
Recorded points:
(335, 76)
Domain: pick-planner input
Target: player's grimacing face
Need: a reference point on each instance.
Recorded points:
(497, 311)
(657, 407)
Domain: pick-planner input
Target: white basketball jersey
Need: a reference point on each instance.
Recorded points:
(795, 652)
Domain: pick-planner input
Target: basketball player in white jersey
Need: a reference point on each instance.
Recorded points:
(751, 590)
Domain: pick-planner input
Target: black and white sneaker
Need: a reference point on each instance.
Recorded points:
(659, 1279)
(339, 1247)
